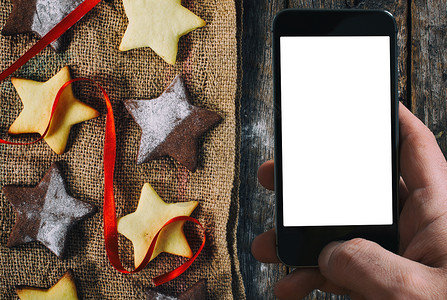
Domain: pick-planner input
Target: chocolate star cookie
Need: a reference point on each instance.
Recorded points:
(196, 292)
(171, 125)
(39, 17)
(45, 213)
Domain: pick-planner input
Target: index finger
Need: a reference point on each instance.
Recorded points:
(266, 176)
(263, 247)
(422, 163)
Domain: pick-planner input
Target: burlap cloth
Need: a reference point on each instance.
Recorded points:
(208, 62)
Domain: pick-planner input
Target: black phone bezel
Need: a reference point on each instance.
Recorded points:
(300, 246)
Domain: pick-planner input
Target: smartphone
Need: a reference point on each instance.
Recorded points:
(336, 130)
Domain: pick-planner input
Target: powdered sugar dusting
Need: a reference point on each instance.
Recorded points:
(49, 13)
(156, 295)
(158, 117)
(163, 297)
(59, 211)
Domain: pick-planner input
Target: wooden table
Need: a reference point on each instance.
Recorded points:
(422, 66)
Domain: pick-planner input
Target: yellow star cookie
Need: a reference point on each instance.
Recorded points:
(152, 213)
(38, 98)
(64, 289)
(158, 24)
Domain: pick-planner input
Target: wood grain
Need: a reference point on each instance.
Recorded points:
(429, 66)
(256, 203)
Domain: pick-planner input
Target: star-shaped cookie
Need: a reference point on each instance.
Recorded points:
(45, 213)
(171, 125)
(39, 17)
(152, 213)
(38, 99)
(196, 292)
(64, 289)
(158, 24)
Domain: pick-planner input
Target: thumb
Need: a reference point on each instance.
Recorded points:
(367, 269)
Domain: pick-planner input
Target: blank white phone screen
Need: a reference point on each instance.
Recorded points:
(336, 130)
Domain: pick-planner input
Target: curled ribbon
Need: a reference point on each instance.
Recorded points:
(110, 223)
(51, 36)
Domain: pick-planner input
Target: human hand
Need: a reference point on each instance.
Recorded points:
(362, 268)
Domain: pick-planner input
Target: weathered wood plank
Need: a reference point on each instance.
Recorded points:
(256, 204)
(429, 66)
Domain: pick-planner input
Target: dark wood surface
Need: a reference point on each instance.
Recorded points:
(422, 67)
(429, 66)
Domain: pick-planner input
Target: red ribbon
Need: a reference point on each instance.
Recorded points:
(110, 223)
(52, 35)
